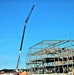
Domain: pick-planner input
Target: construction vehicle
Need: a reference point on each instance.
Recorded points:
(17, 72)
(26, 21)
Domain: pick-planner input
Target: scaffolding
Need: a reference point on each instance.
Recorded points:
(51, 56)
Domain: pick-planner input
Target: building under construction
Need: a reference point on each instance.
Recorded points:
(51, 56)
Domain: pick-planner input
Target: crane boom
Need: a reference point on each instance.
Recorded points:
(26, 21)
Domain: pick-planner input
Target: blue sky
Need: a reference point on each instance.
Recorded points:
(50, 20)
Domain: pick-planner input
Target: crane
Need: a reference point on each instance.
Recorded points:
(26, 21)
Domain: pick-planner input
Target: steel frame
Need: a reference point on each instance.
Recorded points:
(50, 55)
